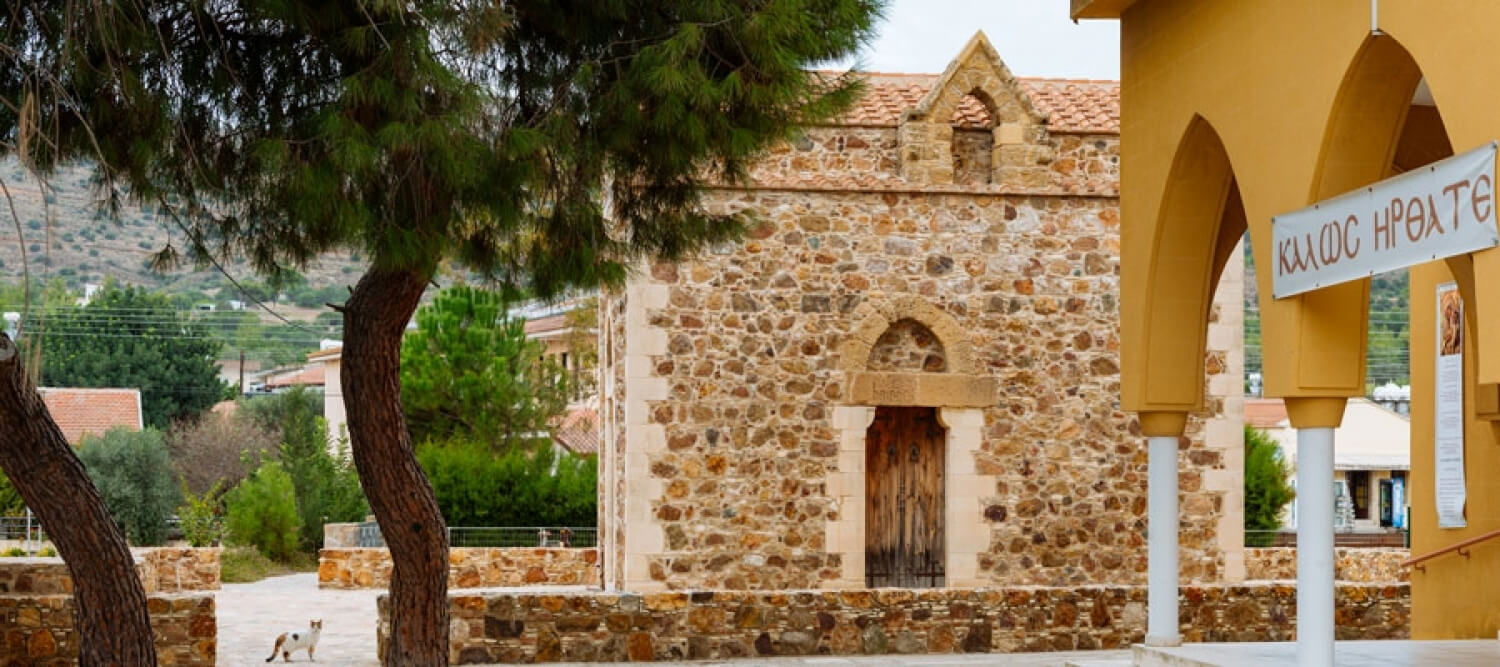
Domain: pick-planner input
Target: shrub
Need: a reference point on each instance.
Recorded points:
(325, 483)
(15, 552)
(46, 552)
(1267, 487)
(262, 512)
(201, 526)
(477, 488)
(217, 448)
(132, 471)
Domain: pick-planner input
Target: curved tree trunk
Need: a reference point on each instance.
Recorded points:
(375, 318)
(110, 604)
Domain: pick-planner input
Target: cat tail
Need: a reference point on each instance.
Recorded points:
(277, 648)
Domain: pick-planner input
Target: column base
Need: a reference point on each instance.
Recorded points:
(1163, 642)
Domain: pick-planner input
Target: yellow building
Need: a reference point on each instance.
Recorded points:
(1236, 112)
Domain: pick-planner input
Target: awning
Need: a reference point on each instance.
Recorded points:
(1371, 462)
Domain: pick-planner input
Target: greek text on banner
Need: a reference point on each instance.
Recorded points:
(1444, 209)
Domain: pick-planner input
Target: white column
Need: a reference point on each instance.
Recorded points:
(1315, 547)
(1161, 534)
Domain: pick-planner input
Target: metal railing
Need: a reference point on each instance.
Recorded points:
(488, 536)
(1399, 538)
(556, 536)
(1462, 548)
(15, 527)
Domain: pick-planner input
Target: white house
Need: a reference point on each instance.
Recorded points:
(1371, 457)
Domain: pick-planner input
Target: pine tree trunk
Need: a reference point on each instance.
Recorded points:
(375, 319)
(109, 602)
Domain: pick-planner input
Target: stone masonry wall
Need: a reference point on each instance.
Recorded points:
(468, 567)
(1349, 564)
(40, 629)
(511, 628)
(161, 569)
(748, 445)
(730, 460)
(177, 569)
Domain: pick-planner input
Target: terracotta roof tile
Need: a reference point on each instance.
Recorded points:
(80, 412)
(1071, 105)
(1265, 412)
(307, 376)
(550, 323)
(579, 431)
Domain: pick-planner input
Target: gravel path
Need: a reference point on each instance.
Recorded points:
(252, 615)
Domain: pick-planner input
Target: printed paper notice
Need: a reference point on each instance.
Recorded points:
(1448, 429)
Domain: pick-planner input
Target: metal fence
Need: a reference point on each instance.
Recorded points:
(14, 528)
(486, 536)
(1282, 538)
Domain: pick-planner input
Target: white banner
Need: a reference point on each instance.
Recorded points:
(1448, 413)
(1444, 209)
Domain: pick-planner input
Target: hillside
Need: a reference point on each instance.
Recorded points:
(1388, 340)
(81, 245)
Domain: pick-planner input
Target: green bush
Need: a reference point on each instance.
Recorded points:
(14, 552)
(477, 488)
(132, 471)
(201, 526)
(325, 483)
(262, 512)
(1267, 488)
(46, 552)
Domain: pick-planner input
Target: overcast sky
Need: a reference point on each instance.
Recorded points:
(1033, 37)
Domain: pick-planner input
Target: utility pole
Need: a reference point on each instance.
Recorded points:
(242, 372)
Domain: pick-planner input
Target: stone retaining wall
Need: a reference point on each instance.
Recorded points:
(162, 570)
(1350, 564)
(40, 629)
(339, 535)
(176, 569)
(468, 567)
(588, 626)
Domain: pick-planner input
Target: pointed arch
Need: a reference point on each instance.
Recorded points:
(1019, 129)
(961, 383)
(1200, 223)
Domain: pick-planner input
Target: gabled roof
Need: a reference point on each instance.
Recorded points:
(307, 376)
(326, 354)
(80, 412)
(1082, 106)
(1265, 413)
(579, 431)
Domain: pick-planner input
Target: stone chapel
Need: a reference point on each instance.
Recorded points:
(907, 374)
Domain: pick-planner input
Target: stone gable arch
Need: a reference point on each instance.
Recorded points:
(1020, 152)
(960, 383)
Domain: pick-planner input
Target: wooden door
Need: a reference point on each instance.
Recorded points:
(904, 499)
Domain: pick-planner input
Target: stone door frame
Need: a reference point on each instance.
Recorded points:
(962, 489)
(960, 396)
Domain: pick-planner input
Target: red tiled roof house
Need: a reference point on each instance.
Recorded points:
(80, 412)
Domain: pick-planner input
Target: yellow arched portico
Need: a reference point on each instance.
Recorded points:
(1234, 112)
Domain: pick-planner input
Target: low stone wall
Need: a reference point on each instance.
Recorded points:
(181, 568)
(40, 629)
(598, 626)
(468, 567)
(162, 570)
(1350, 564)
(340, 535)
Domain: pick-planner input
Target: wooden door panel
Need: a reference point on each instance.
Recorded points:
(904, 453)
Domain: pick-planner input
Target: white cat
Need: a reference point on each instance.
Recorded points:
(296, 641)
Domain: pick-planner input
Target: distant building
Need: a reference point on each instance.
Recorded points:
(80, 412)
(328, 361)
(1371, 458)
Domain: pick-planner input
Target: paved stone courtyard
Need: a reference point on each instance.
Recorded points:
(251, 615)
